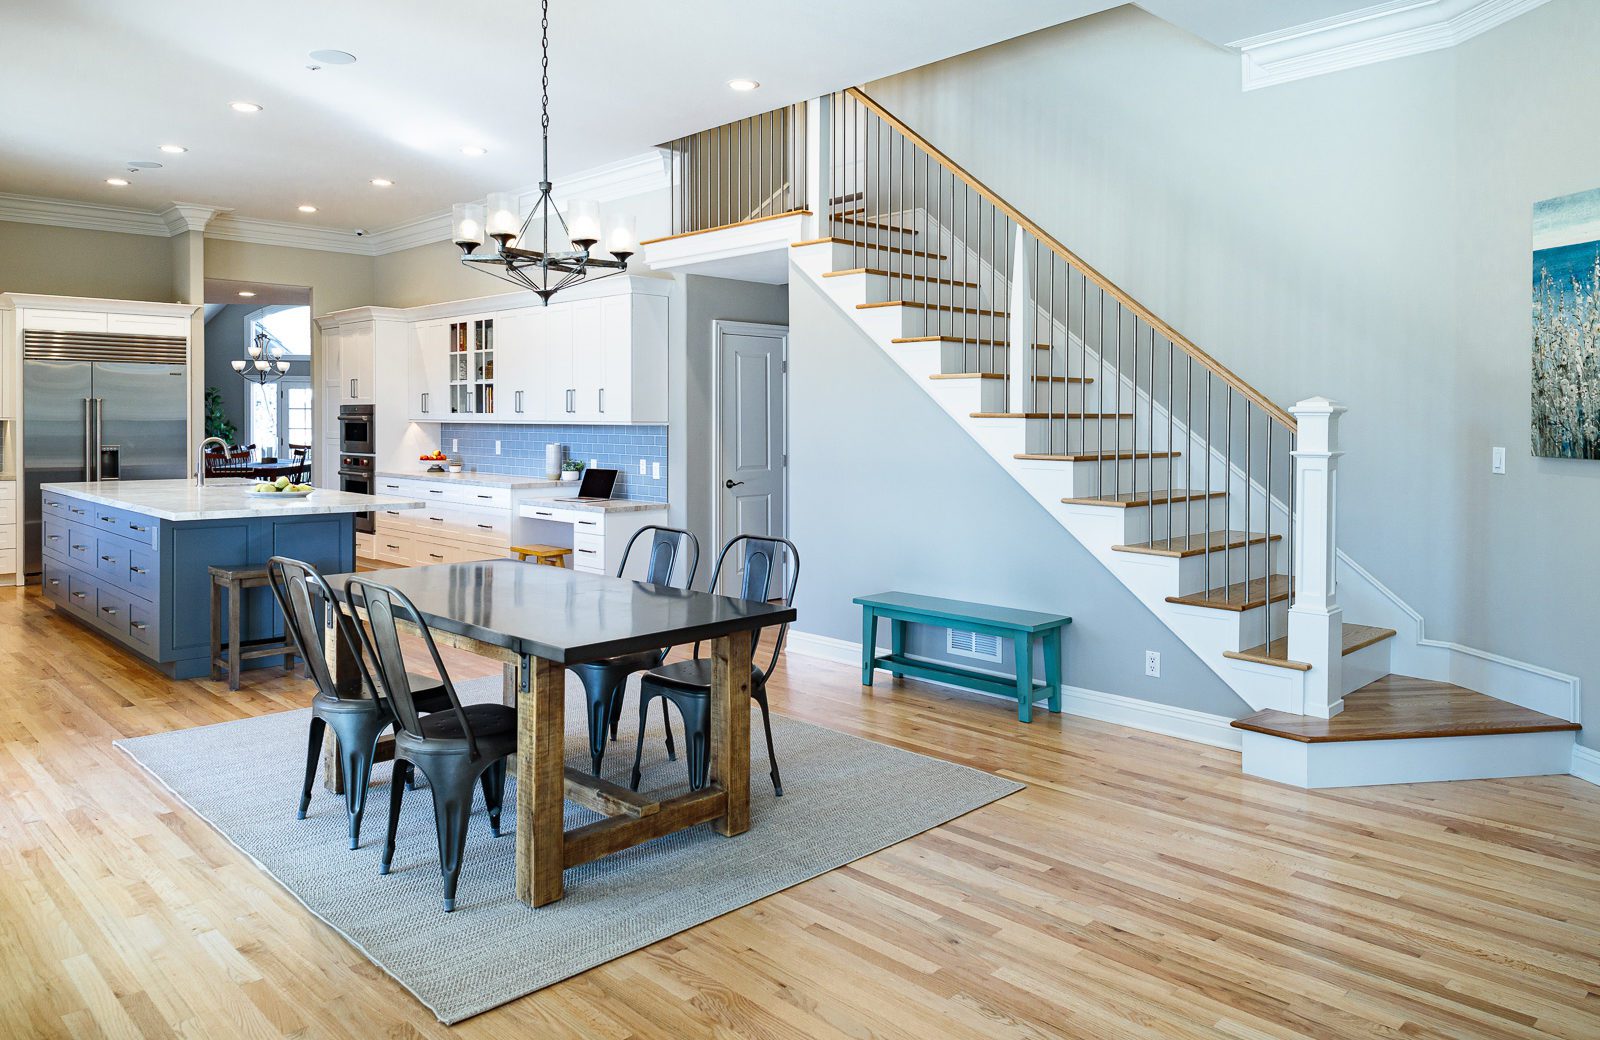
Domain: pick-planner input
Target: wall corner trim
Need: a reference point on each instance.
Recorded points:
(1168, 720)
(1395, 29)
(1586, 764)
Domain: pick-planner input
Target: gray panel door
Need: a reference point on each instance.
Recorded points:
(56, 393)
(752, 430)
(144, 412)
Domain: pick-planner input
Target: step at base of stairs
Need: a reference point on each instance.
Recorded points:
(1258, 592)
(1401, 730)
(1355, 637)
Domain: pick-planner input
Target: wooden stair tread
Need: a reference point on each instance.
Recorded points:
(1052, 415)
(1398, 707)
(1185, 547)
(1134, 499)
(1002, 375)
(931, 307)
(950, 339)
(1109, 456)
(874, 225)
(898, 275)
(1241, 596)
(836, 240)
(1353, 638)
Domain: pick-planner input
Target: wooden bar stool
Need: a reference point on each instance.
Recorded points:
(232, 582)
(549, 555)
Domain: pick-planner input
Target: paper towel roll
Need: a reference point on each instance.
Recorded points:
(552, 461)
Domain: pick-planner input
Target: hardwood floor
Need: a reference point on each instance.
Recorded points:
(1139, 887)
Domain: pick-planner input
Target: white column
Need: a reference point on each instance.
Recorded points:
(1021, 328)
(1316, 620)
(819, 163)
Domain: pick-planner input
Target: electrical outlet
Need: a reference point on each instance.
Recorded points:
(655, 471)
(643, 469)
(497, 447)
(1497, 461)
(1152, 663)
(455, 444)
(593, 464)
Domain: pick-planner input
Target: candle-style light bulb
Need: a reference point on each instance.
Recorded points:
(504, 219)
(238, 366)
(583, 223)
(622, 241)
(466, 219)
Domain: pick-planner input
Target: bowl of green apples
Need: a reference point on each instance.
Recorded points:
(283, 487)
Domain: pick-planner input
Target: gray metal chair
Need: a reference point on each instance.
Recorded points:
(357, 710)
(604, 681)
(457, 748)
(687, 684)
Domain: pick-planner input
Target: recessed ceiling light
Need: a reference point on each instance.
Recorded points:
(473, 150)
(333, 57)
(308, 209)
(246, 292)
(382, 182)
(245, 106)
(116, 182)
(743, 84)
(174, 149)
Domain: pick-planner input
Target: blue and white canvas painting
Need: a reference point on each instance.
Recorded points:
(1566, 326)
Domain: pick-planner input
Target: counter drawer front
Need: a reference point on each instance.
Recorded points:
(142, 631)
(8, 561)
(588, 556)
(482, 497)
(82, 594)
(142, 572)
(53, 582)
(80, 542)
(588, 524)
(454, 521)
(57, 536)
(52, 504)
(8, 536)
(111, 558)
(124, 524)
(390, 547)
(395, 519)
(111, 611)
(8, 510)
(77, 510)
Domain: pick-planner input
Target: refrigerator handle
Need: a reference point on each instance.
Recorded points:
(99, 425)
(88, 438)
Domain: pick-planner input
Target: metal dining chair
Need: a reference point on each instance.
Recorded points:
(604, 681)
(457, 748)
(356, 710)
(687, 684)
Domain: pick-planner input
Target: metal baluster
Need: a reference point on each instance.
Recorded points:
(1188, 444)
(1266, 572)
(1172, 408)
(1150, 438)
(1210, 382)
(1249, 490)
(1227, 469)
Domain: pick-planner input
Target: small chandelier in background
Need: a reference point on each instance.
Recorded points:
(541, 270)
(265, 363)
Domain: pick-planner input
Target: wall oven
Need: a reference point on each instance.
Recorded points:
(357, 477)
(356, 431)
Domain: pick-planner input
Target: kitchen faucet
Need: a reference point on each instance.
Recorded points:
(200, 470)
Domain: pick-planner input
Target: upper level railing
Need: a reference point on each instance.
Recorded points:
(741, 171)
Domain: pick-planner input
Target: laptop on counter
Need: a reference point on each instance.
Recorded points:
(597, 485)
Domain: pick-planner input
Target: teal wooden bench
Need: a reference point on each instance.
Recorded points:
(1019, 627)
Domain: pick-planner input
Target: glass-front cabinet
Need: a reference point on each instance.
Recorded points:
(471, 366)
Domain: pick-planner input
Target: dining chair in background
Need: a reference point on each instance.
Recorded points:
(687, 684)
(457, 748)
(605, 680)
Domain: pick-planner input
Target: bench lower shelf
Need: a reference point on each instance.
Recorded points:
(969, 678)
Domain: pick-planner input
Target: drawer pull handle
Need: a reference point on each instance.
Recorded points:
(487, 527)
(53, 537)
(108, 559)
(80, 548)
(55, 581)
(589, 552)
(138, 527)
(485, 496)
(113, 611)
(538, 513)
(140, 625)
(137, 570)
(435, 556)
(80, 595)
(437, 519)
(78, 511)
(435, 491)
(108, 519)
(391, 545)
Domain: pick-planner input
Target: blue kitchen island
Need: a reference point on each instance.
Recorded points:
(132, 558)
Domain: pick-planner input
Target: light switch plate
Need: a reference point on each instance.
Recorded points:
(497, 447)
(1497, 461)
(643, 469)
(455, 444)
(655, 471)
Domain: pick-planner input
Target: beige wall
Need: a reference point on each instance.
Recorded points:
(38, 258)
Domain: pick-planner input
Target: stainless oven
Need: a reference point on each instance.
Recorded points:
(357, 477)
(356, 432)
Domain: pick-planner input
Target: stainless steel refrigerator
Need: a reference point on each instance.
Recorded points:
(98, 420)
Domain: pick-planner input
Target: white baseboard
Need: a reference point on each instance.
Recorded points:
(1183, 723)
(1586, 763)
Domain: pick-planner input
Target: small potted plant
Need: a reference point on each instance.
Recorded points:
(572, 469)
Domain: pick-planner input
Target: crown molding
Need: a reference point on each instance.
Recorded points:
(1396, 29)
(635, 175)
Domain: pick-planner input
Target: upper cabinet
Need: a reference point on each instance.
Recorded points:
(429, 397)
(355, 348)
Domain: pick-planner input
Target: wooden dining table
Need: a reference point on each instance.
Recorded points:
(537, 621)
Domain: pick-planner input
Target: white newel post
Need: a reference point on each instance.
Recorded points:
(1021, 329)
(819, 163)
(1315, 618)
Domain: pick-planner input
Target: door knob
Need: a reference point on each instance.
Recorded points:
(731, 484)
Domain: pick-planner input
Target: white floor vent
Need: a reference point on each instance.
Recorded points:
(974, 644)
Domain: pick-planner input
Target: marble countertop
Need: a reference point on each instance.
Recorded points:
(615, 505)
(514, 481)
(219, 499)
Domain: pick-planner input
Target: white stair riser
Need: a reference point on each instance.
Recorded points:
(1372, 762)
(1229, 629)
(880, 288)
(1227, 567)
(1367, 665)
(1144, 523)
(1079, 436)
(1065, 397)
(891, 322)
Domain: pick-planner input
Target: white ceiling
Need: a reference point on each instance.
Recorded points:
(87, 86)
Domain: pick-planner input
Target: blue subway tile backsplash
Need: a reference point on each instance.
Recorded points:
(522, 451)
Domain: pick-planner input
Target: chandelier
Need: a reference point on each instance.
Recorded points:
(541, 270)
(265, 363)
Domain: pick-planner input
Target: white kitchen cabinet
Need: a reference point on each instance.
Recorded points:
(357, 344)
(604, 361)
(518, 373)
(554, 362)
(429, 397)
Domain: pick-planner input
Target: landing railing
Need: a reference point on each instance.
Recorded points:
(750, 169)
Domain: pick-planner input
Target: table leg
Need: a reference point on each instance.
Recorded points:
(1052, 668)
(897, 640)
(730, 728)
(869, 643)
(508, 685)
(541, 729)
(1024, 653)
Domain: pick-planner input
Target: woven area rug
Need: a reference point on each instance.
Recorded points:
(844, 798)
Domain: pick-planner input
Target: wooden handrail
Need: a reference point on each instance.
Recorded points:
(1144, 313)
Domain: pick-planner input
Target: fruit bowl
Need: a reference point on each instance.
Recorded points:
(279, 494)
(273, 489)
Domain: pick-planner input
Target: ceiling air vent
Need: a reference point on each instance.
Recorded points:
(974, 644)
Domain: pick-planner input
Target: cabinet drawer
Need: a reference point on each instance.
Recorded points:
(482, 497)
(390, 547)
(589, 556)
(52, 504)
(80, 543)
(8, 510)
(364, 545)
(81, 594)
(111, 610)
(53, 582)
(111, 558)
(57, 536)
(8, 561)
(77, 510)
(142, 575)
(588, 524)
(398, 486)
(142, 629)
(120, 522)
(8, 535)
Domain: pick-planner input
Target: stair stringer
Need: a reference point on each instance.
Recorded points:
(1150, 578)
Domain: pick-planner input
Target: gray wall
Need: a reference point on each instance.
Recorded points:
(885, 492)
(690, 434)
(225, 341)
(1363, 235)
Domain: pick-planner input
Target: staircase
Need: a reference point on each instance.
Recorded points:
(1208, 501)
